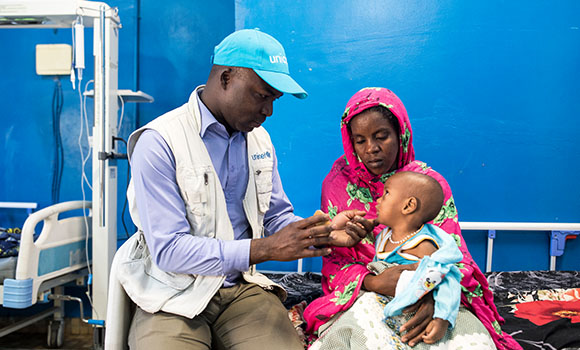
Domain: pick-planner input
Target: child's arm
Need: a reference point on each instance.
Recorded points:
(447, 296)
(350, 228)
(425, 248)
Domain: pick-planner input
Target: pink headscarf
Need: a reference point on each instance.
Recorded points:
(349, 185)
(363, 100)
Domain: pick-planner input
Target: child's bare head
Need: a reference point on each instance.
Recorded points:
(411, 196)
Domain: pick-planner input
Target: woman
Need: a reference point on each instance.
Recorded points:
(377, 140)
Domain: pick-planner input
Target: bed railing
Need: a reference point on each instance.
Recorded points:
(559, 232)
(52, 258)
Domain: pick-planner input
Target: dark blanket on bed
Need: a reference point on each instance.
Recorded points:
(541, 308)
(300, 287)
(9, 241)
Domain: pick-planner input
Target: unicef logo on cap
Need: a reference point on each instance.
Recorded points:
(278, 59)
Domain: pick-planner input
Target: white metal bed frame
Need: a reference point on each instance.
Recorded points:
(57, 256)
(559, 232)
(106, 23)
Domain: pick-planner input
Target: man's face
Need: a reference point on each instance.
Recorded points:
(248, 100)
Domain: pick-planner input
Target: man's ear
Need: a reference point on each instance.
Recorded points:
(411, 206)
(226, 78)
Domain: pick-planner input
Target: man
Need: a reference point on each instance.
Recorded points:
(207, 199)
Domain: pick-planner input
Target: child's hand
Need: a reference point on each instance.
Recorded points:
(435, 330)
(342, 218)
(349, 228)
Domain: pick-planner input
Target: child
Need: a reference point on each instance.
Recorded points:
(410, 200)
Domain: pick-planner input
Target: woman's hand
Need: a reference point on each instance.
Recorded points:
(350, 228)
(416, 327)
(386, 282)
(435, 331)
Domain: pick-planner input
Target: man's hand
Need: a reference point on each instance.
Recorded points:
(416, 326)
(435, 330)
(350, 228)
(295, 241)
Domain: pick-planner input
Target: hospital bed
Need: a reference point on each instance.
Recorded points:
(549, 320)
(553, 322)
(541, 309)
(45, 263)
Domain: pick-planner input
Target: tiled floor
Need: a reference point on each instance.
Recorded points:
(77, 335)
(38, 341)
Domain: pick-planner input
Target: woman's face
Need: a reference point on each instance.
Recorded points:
(375, 141)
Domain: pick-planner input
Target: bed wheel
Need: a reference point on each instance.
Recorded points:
(55, 334)
(99, 338)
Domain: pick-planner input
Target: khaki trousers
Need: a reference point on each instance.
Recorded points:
(242, 317)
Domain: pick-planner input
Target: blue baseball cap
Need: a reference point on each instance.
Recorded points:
(251, 48)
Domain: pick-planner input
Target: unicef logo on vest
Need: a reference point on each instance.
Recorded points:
(261, 155)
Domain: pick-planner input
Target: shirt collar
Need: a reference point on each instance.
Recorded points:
(207, 118)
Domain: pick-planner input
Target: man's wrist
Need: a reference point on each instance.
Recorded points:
(259, 251)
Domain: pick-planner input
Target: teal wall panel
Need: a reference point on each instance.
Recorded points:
(490, 87)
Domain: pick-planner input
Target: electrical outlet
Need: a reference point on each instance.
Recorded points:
(53, 59)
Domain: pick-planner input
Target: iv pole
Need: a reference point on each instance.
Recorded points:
(106, 25)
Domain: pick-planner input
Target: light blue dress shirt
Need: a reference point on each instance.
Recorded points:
(162, 210)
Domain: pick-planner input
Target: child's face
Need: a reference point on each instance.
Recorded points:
(390, 204)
